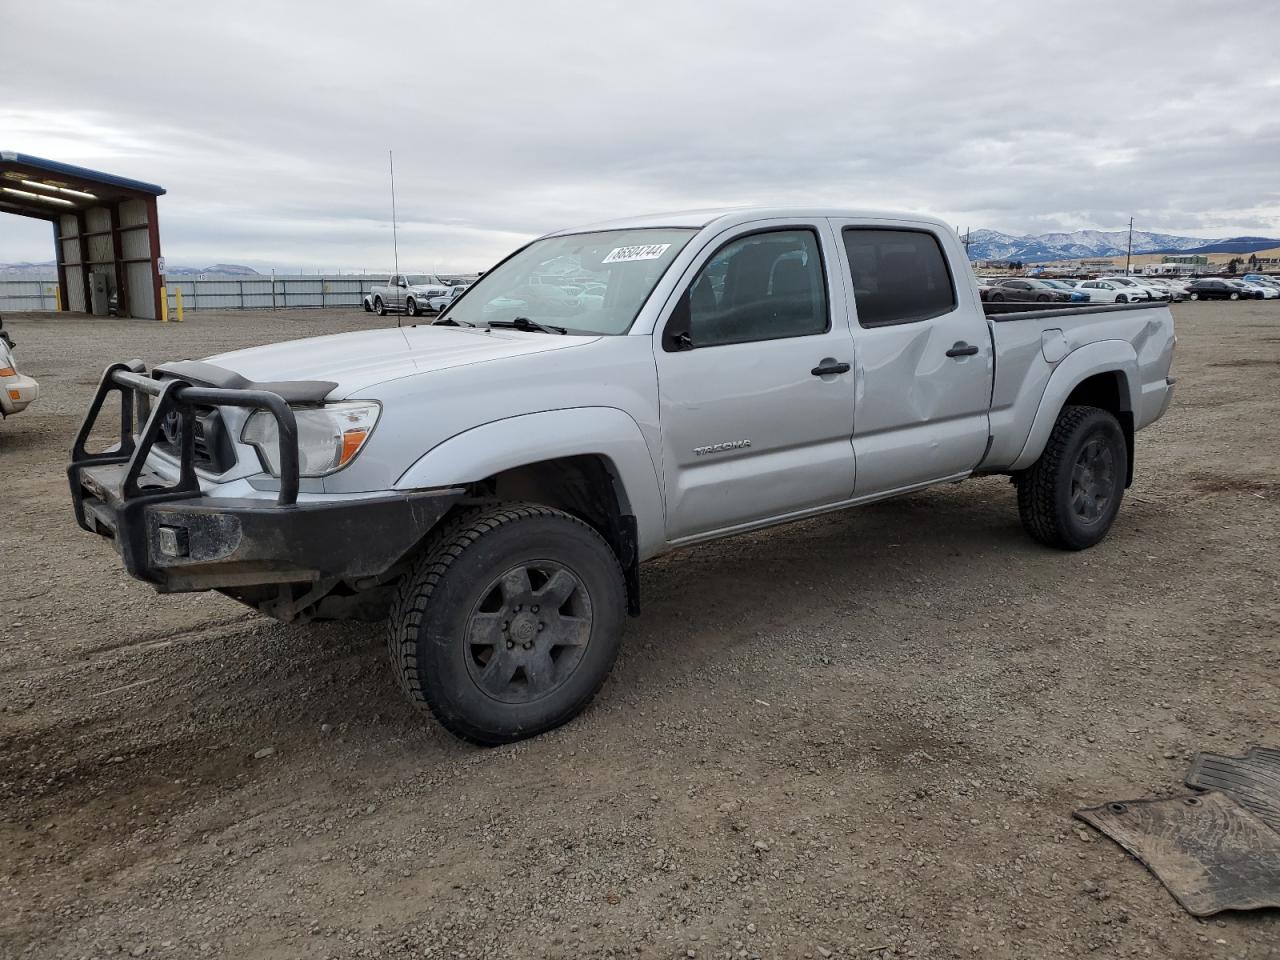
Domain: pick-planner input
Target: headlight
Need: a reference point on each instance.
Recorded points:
(329, 437)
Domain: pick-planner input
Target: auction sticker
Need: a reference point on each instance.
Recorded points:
(650, 251)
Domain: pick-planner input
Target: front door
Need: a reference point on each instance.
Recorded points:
(925, 358)
(754, 382)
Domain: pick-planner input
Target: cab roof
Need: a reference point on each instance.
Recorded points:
(735, 216)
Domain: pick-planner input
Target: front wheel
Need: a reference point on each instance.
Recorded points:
(1042, 299)
(1193, 296)
(1070, 496)
(509, 624)
(997, 298)
(379, 307)
(1122, 299)
(1235, 296)
(411, 307)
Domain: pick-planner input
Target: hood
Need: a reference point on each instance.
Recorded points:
(359, 360)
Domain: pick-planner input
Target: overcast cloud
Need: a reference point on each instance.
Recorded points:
(269, 122)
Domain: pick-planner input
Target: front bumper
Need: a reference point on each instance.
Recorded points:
(179, 538)
(17, 393)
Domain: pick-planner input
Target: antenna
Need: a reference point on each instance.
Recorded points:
(395, 244)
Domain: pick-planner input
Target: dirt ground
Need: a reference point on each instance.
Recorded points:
(859, 736)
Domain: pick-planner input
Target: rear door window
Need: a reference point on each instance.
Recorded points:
(899, 276)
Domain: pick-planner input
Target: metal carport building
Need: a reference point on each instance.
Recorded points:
(105, 228)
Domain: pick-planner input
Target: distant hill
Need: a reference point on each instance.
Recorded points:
(49, 271)
(993, 245)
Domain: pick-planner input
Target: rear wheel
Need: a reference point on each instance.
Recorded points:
(379, 307)
(509, 624)
(368, 307)
(1070, 496)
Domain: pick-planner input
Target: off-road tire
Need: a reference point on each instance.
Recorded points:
(428, 627)
(379, 307)
(1045, 490)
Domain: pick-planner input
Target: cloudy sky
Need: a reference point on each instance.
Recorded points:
(269, 122)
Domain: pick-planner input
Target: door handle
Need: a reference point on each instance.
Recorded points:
(829, 366)
(962, 349)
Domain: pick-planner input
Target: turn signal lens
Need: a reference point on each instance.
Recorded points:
(8, 372)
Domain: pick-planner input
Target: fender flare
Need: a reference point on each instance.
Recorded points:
(1101, 356)
(501, 445)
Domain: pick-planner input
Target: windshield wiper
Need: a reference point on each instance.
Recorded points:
(450, 322)
(529, 326)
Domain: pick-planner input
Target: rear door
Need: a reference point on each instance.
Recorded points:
(754, 380)
(924, 356)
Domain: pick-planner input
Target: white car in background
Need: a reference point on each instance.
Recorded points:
(1108, 291)
(1263, 291)
(1176, 289)
(1137, 291)
(438, 303)
(17, 392)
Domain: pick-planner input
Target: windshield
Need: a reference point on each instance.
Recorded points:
(585, 282)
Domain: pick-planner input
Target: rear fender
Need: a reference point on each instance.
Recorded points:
(608, 432)
(1101, 356)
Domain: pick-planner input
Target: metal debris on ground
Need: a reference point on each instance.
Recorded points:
(1213, 851)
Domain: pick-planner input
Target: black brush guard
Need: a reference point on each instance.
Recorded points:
(179, 538)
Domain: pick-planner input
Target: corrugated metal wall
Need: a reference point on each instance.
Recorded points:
(69, 237)
(136, 245)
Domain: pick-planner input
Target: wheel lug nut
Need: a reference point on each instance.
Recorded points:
(510, 645)
(529, 645)
(541, 626)
(534, 608)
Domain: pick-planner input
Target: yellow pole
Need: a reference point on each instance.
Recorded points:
(178, 293)
(57, 297)
(164, 304)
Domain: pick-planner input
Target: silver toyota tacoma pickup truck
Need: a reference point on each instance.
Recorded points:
(491, 482)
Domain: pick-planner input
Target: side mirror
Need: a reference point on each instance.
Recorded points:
(675, 337)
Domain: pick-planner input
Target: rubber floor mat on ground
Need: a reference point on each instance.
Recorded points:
(1211, 853)
(1252, 780)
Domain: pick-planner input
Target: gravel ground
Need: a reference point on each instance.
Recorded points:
(858, 736)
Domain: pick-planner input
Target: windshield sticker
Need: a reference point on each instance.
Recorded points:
(649, 251)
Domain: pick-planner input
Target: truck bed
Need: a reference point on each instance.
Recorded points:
(1033, 342)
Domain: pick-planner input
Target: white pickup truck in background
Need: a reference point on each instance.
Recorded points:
(492, 481)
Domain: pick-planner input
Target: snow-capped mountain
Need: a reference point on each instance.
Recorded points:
(993, 245)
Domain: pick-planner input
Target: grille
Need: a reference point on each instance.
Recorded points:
(211, 444)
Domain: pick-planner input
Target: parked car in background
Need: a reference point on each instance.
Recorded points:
(1260, 291)
(401, 295)
(1176, 289)
(1137, 289)
(17, 392)
(1213, 288)
(1105, 291)
(1026, 289)
(442, 301)
(985, 287)
(1077, 296)
(1263, 279)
